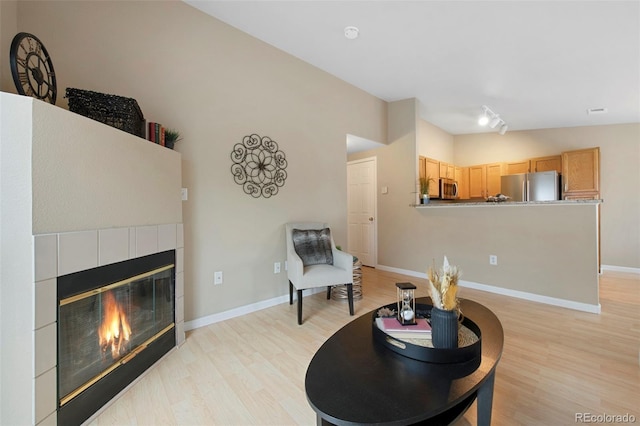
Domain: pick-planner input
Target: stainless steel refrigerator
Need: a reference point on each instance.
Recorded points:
(541, 186)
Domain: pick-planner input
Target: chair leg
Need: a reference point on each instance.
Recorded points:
(328, 292)
(299, 307)
(290, 293)
(350, 296)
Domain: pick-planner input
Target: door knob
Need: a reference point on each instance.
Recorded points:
(370, 219)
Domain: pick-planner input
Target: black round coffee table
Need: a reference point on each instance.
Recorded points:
(354, 380)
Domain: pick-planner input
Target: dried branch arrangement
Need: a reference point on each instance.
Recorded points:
(443, 286)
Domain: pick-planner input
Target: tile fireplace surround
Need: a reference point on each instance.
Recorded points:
(64, 253)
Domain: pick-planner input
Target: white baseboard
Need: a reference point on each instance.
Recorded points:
(247, 309)
(563, 303)
(614, 268)
(578, 306)
(402, 271)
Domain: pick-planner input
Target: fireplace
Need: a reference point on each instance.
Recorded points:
(114, 322)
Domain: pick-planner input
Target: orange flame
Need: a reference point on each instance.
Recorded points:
(115, 329)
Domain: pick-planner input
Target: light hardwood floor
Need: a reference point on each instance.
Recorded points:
(250, 370)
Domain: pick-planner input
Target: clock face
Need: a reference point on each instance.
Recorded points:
(32, 68)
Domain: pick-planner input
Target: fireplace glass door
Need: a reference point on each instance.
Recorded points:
(103, 328)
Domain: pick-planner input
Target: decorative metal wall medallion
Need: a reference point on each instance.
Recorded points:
(259, 166)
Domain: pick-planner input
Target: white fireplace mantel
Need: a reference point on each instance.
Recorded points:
(66, 180)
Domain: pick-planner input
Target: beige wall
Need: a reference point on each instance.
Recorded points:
(433, 142)
(619, 174)
(111, 180)
(215, 84)
(393, 173)
(8, 29)
(549, 251)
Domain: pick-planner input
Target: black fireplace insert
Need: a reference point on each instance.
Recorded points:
(114, 322)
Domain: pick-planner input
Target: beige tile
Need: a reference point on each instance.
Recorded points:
(180, 236)
(146, 240)
(180, 336)
(113, 245)
(45, 348)
(46, 302)
(77, 251)
(132, 242)
(179, 260)
(179, 309)
(45, 395)
(45, 256)
(50, 420)
(167, 237)
(179, 284)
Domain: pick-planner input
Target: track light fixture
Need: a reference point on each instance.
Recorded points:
(492, 119)
(484, 118)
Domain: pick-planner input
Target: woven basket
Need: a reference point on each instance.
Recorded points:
(115, 111)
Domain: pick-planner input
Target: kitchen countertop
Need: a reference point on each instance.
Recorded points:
(480, 203)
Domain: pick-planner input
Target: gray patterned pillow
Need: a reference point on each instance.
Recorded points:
(313, 246)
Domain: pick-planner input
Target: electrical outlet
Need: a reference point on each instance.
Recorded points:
(276, 268)
(493, 259)
(185, 194)
(217, 278)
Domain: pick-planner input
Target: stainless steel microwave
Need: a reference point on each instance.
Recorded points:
(448, 189)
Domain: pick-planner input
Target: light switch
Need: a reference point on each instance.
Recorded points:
(385, 189)
(185, 194)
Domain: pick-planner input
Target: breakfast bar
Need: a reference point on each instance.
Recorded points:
(545, 251)
(483, 203)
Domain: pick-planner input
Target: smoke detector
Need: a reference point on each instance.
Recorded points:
(351, 32)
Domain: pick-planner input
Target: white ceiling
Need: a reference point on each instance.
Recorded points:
(538, 64)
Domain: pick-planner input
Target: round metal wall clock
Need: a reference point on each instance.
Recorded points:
(32, 68)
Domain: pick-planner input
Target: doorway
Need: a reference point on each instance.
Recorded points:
(362, 229)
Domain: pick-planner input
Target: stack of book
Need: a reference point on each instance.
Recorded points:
(156, 133)
(391, 326)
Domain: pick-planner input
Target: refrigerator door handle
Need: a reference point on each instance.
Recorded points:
(525, 193)
(528, 197)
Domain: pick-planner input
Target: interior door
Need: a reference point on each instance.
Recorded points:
(361, 205)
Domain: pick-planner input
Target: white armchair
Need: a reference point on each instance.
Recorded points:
(316, 262)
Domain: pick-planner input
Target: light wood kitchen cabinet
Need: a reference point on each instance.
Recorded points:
(586, 196)
(484, 179)
(447, 170)
(581, 174)
(430, 168)
(517, 167)
(477, 181)
(461, 175)
(494, 173)
(546, 164)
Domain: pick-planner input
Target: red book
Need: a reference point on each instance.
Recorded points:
(161, 135)
(152, 131)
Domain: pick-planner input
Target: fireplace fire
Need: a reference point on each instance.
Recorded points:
(113, 323)
(115, 330)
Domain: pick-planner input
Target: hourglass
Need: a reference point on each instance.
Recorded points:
(406, 303)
